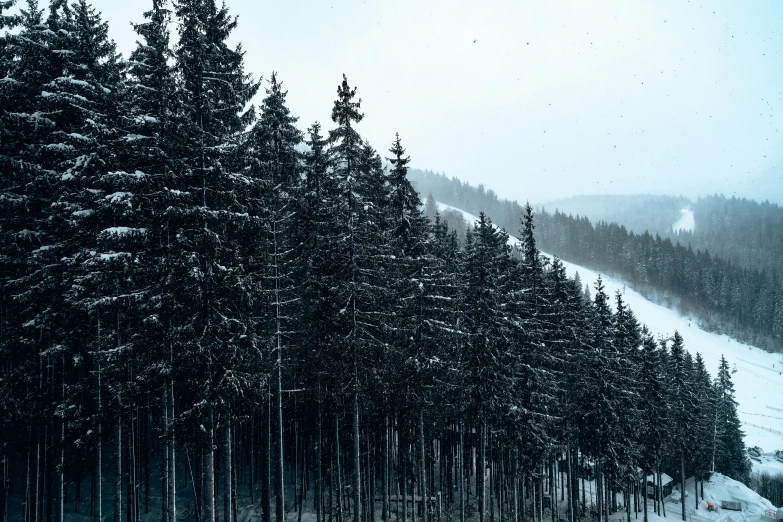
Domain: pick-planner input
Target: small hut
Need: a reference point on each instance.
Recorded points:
(666, 486)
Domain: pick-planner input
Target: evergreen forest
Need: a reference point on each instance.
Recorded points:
(206, 309)
(732, 282)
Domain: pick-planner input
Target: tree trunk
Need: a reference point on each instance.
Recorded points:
(385, 473)
(171, 456)
(553, 489)
(302, 481)
(61, 464)
(209, 493)
(481, 483)
(338, 471)
(461, 471)
(403, 479)
(357, 482)
(279, 478)
(318, 462)
(598, 489)
(266, 464)
(515, 485)
(423, 465)
(148, 439)
(118, 476)
(165, 467)
(98, 500)
(228, 508)
(682, 482)
(567, 487)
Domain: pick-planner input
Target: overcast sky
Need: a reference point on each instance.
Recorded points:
(539, 99)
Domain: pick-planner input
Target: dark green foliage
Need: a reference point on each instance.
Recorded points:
(729, 453)
(181, 280)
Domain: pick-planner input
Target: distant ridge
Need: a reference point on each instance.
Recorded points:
(744, 299)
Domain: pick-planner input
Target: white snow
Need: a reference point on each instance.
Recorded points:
(771, 462)
(138, 174)
(135, 137)
(71, 80)
(119, 197)
(114, 255)
(757, 377)
(145, 119)
(122, 231)
(718, 489)
(665, 479)
(686, 222)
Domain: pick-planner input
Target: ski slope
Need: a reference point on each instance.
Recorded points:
(686, 223)
(758, 380)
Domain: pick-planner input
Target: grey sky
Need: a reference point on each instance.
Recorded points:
(536, 99)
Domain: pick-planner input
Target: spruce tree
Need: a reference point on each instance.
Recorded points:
(654, 419)
(683, 405)
(728, 445)
(360, 252)
(206, 275)
(275, 160)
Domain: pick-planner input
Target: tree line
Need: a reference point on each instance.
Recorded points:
(197, 316)
(726, 297)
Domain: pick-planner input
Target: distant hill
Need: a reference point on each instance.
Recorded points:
(702, 273)
(638, 213)
(741, 231)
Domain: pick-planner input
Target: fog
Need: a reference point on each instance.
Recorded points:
(539, 100)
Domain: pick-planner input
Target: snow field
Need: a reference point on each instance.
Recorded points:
(686, 223)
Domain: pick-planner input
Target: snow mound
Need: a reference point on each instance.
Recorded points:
(719, 489)
(723, 489)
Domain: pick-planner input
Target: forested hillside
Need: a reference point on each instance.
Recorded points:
(725, 297)
(744, 232)
(638, 213)
(195, 314)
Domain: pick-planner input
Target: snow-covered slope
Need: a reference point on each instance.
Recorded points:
(759, 375)
(686, 223)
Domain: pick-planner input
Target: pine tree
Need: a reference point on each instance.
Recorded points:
(654, 411)
(207, 280)
(360, 252)
(275, 160)
(703, 420)
(683, 404)
(728, 446)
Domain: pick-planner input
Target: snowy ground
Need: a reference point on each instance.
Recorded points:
(758, 379)
(719, 488)
(686, 222)
(770, 462)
